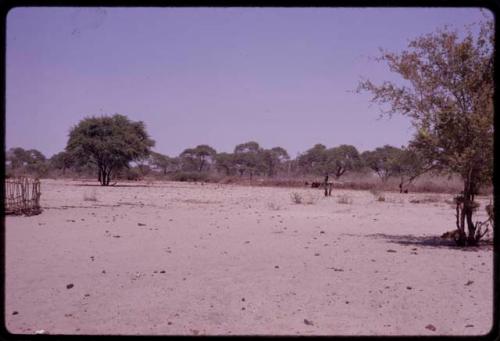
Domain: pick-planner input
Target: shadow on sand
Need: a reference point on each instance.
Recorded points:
(429, 241)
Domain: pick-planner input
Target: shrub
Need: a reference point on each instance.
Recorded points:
(296, 198)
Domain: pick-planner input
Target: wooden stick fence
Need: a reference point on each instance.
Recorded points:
(22, 196)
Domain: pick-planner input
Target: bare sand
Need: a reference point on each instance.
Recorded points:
(177, 258)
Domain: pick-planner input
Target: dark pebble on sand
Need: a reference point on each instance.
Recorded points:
(430, 327)
(309, 323)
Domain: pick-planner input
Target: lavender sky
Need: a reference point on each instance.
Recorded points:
(217, 76)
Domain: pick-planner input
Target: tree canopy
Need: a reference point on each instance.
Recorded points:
(109, 142)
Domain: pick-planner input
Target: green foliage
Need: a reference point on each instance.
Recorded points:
(108, 142)
(161, 161)
(225, 163)
(198, 158)
(21, 161)
(313, 160)
(340, 159)
(273, 159)
(62, 161)
(247, 158)
(383, 161)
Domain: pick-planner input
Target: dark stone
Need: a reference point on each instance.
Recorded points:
(430, 327)
(309, 323)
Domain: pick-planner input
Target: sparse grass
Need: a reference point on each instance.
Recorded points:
(273, 206)
(379, 196)
(90, 196)
(427, 199)
(344, 199)
(310, 200)
(296, 198)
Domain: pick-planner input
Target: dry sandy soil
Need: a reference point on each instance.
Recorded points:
(177, 258)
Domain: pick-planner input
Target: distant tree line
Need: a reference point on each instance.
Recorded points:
(113, 147)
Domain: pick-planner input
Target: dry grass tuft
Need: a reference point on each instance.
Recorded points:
(273, 206)
(296, 198)
(310, 200)
(344, 199)
(425, 200)
(90, 196)
(379, 196)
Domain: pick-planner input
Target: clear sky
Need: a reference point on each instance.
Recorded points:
(218, 76)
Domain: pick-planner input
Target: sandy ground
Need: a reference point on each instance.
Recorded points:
(177, 258)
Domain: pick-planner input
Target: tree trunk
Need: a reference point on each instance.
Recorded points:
(465, 210)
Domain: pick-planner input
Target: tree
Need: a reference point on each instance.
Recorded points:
(247, 158)
(448, 94)
(109, 142)
(225, 162)
(341, 159)
(161, 161)
(29, 161)
(408, 166)
(62, 160)
(312, 161)
(273, 158)
(382, 160)
(199, 157)
(17, 157)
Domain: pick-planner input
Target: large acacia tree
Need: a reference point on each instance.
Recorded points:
(447, 91)
(109, 142)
